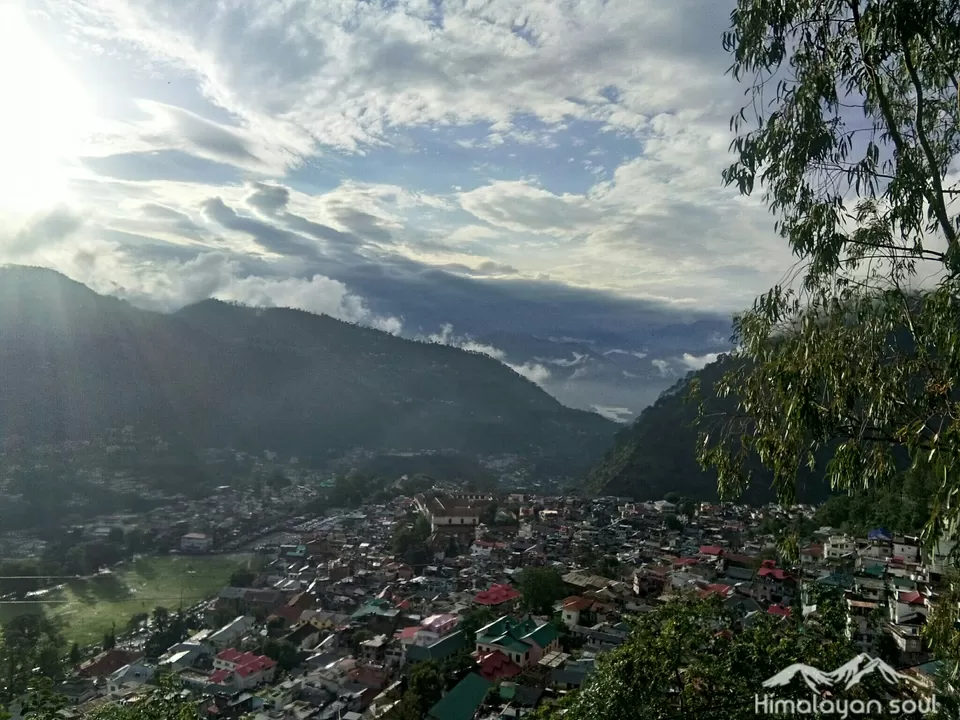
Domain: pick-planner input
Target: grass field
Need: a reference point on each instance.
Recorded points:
(88, 608)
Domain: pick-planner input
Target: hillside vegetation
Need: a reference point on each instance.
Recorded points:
(74, 363)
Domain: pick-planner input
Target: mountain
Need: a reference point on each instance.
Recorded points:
(853, 671)
(74, 363)
(607, 375)
(815, 679)
(656, 454)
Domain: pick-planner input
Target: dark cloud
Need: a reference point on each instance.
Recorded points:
(318, 230)
(181, 222)
(271, 200)
(363, 224)
(488, 267)
(268, 199)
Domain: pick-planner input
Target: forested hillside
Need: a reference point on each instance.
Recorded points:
(73, 363)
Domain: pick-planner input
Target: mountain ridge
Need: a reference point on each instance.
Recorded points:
(73, 362)
(656, 453)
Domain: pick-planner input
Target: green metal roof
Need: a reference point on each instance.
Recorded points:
(440, 650)
(543, 635)
(463, 701)
(508, 642)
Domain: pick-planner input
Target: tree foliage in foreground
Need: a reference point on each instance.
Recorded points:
(850, 129)
(681, 661)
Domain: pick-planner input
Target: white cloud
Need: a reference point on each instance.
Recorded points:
(533, 371)
(698, 363)
(345, 72)
(663, 367)
(522, 207)
(285, 92)
(617, 414)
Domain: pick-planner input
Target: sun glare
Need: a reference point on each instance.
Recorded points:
(45, 112)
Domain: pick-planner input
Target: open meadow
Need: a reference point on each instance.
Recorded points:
(89, 608)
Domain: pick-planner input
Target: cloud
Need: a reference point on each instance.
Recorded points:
(41, 230)
(172, 128)
(533, 371)
(698, 363)
(617, 414)
(174, 283)
(577, 359)
(521, 207)
(267, 236)
(537, 170)
(663, 367)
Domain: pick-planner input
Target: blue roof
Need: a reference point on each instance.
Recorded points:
(880, 534)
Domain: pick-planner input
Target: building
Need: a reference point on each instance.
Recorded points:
(839, 546)
(242, 670)
(522, 641)
(463, 701)
(435, 627)
(453, 511)
(196, 543)
(498, 596)
(231, 632)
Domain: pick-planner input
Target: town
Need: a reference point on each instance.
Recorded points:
(489, 604)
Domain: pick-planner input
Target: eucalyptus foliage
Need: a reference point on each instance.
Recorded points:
(696, 659)
(850, 132)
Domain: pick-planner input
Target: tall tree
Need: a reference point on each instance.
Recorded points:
(850, 129)
(541, 588)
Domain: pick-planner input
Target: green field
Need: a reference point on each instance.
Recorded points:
(88, 608)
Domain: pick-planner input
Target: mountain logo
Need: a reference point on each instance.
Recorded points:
(846, 676)
(816, 680)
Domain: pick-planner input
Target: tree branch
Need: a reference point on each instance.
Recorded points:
(935, 202)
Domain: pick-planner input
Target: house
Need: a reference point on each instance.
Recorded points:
(440, 650)
(303, 636)
(373, 650)
(494, 666)
(107, 663)
(77, 690)
(522, 641)
(773, 584)
(242, 670)
(130, 676)
(379, 615)
(196, 543)
(435, 627)
(498, 596)
(463, 701)
(572, 608)
(838, 547)
(231, 632)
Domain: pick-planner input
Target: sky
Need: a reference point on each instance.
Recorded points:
(492, 172)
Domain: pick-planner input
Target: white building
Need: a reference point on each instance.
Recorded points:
(196, 542)
(231, 632)
(838, 546)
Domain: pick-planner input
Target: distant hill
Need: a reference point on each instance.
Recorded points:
(73, 363)
(656, 454)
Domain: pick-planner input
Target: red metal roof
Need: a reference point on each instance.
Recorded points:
(496, 595)
(779, 610)
(495, 666)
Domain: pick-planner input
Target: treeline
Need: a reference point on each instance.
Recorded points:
(69, 555)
